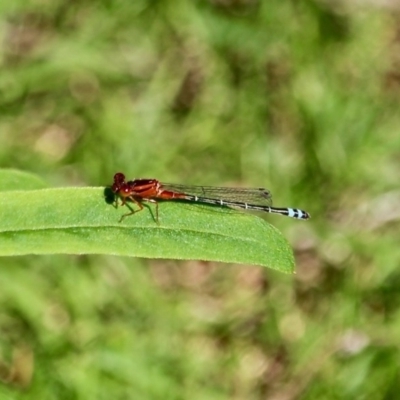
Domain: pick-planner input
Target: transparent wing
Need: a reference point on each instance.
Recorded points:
(256, 196)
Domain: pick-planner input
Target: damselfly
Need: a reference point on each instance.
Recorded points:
(152, 190)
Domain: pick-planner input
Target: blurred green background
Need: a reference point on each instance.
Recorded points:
(301, 97)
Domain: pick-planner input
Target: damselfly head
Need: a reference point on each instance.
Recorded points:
(119, 178)
(119, 183)
(115, 188)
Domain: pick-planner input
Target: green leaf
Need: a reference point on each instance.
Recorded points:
(80, 221)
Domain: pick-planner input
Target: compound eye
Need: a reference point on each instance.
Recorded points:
(119, 177)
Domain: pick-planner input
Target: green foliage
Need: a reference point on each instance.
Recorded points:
(299, 97)
(79, 221)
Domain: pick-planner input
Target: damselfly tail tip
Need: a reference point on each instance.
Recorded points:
(300, 214)
(295, 213)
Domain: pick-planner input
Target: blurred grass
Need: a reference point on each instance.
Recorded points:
(301, 97)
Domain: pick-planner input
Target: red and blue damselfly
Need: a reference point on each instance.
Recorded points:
(151, 190)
